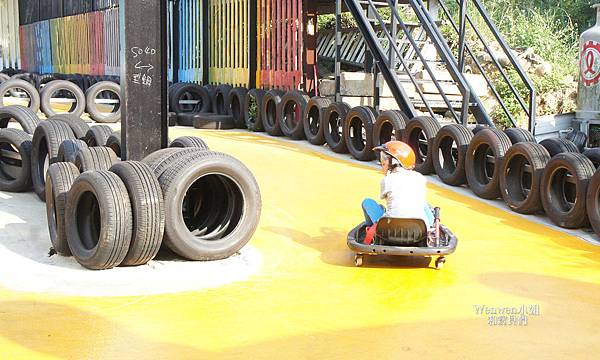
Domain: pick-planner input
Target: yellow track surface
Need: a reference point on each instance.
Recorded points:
(308, 301)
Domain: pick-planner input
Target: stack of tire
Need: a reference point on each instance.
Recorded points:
(202, 205)
(41, 89)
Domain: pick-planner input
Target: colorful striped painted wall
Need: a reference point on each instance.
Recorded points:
(190, 41)
(229, 42)
(9, 34)
(280, 32)
(80, 44)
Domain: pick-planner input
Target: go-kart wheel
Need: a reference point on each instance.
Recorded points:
(439, 263)
(358, 260)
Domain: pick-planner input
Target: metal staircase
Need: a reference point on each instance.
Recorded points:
(400, 57)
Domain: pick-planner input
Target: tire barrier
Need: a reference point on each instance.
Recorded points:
(99, 242)
(518, 135)
(420, 134)
(147, 208)
(594, 156)
(221, 101)
(98, 135)
(78, 126)
(95, 158)
(67, 89)
(15, 160)
(450, 152)
(290, 114)
(358, 132)
(593, 202)
(333, 126)
(68, 150)
(389, 124)
(214, 121)
(221, 206)
(564, 189)
(59, 180)
(484, 162)
(252, 110)
(313, 120)
(21, 87)
(114, 143)
(578, 138)
(557, 146)
(269, 112)
(237, 103)
(189, 98)
(188, 142)
(26, 118)
(47, 139)
(186, 119)
(521, 175)
(91, 104)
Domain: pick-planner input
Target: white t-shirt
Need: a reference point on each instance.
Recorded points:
(405, 193)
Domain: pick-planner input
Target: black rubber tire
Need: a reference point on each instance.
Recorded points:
(161, 160)
(45, 145)
(92, 108)
(594, 155)
(15, 171)
(79, 127)
(478, 128)
(4, 77)
(42, 80)
(313, 119)
(211, 91)
(333, 126)
(186, 119)
(554, 197)
(68, 150)
(557, 146)
(95, 158)
(24, 116)
(254, 96)
(32, 93)
(147, 208)
(59, 180)
(114, 142)
(578, 138)
(77, 108)
(358, 133)
(593, 202)
(290, 113)
(98, 135)
(423, 148)
(172, 117)
(189, 91)
(188, 142)
(449, 162)
(520, 179)
(229, 212)
(99, 242)
(237, 101)
(213, 121)
(390, 123)
(269, 112)
(518, 135)
(483, 178)
(221, 104)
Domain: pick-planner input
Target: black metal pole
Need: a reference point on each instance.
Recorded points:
(143, 33)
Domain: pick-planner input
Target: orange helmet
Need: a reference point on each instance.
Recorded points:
(400, 151)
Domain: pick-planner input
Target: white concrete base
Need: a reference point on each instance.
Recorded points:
(26, 266)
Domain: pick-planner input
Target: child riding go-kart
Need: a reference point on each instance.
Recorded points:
(408, 226)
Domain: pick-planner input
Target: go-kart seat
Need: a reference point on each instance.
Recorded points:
(395, 231)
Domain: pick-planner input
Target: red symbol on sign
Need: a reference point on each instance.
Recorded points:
(590, 63)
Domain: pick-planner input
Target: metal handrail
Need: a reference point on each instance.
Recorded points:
(424, 61)
(529, 109)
